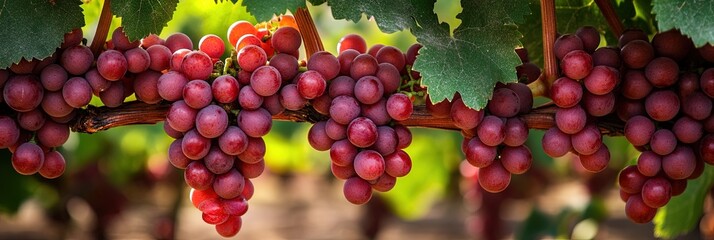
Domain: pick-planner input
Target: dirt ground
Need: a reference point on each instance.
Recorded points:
(315, 210)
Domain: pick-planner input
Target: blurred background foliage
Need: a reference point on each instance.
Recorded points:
(128, 159)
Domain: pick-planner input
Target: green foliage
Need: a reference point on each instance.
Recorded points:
(429, 179)
(35, 28)
(693, 18)
(682, 213)
(16, 188)
(142, 17)
(478, 55)
(573, 14)
(264, 10)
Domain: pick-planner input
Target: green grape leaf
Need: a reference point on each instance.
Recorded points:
(573, 14)
(264, 10)
(478, 55)
(682, 213)
(142, 17)
(693, 18)
(390, 15)
(35, 28)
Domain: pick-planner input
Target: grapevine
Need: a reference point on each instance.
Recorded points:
(655, 91)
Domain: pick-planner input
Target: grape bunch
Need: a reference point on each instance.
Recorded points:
(494, 137)
(218, 123)
(39, 99)
(360, 93)
(584, 92)
(653, 86)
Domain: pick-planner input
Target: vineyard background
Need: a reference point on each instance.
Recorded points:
(119, 183)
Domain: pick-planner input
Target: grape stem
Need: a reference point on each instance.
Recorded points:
(308, 31)
(611, 16)
(549, 29)
(95, 119)
(538, 87)
(100, 35)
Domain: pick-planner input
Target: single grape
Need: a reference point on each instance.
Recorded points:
(291, 99)
(363, 65)
(566, 92)
(390, 77)
(211, 121)
(596, 162)
(137, 59)
(368, 90)
(392, 55)
(9, 132)
(229, 185)
(121, 41)
(656, 192)
(171, 85)
(516, 132)
(637, 54)
(53, 77)
(178, 41)
(31, 121)
(352, 41)
(112, 65)
(286, 40)
(589, 36)
(492, 130)
(249, 99)
(324, 63)
(638, 211)
(317, 137)
(570, 120)
(369, 165)
(233, 141)
(212, 45)
(53, 166)
(357, 190)
(255, 151)
(662, 72)
(23, 93)
(181, 116)
(255, 123)
(311, 84)
(77, 92)
(494, 177)
(238, 29)
(639, 130)
(631, 180)
(197, 65)
(517, 160)
(399, 107)
(602, 80)
(567, 43)
(265, 81)
(160, 57)
(362, 132)
(146, 87)
(465, 117)
(478, 154)
(679, 164)
(599, 105)
(251, 57)
(197, 94)
(176, 156)
(397, 164)
(52, 134)
(195, 146)
(28, 158)
(77, 59)
(342, 85)
(588, 141)
(649, 163)
(662, 105)
(286, 64)
(387, 140)
(576, 64)
(344, 109)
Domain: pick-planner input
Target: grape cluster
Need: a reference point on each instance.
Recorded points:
(219, 122)
(494, 137)
(652, 86)
(360, 93)
(584, 92)
(39, 99)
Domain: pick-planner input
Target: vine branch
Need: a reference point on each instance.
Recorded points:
(610, 15)
(100, 35)
(95, 119)
(549, 29)
(308, 31)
